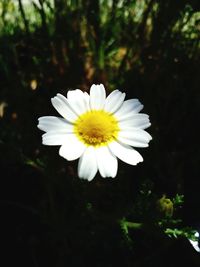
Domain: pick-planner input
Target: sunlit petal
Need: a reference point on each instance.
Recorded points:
(114, 101)
(61, 104)
(135, 137)
(87, 165)
(125, 153)
(51, 123)
(72, 148)
(137, 121)
(54, 138)
(76, 100)
(107, 162)
(97, 96)
(128, 109)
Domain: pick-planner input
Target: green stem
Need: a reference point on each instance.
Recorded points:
(133, 225)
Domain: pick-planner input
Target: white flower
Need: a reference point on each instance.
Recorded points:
(195, 243)
(96, 129)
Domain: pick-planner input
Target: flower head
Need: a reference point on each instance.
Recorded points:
(195, 243)
(97, 129)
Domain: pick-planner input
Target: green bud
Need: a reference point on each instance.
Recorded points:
(165, 205)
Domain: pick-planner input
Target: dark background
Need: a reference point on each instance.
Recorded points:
(49, 216)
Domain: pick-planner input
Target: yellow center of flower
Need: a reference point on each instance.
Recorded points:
(96, 128)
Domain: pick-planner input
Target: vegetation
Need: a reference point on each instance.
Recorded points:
(149, 49)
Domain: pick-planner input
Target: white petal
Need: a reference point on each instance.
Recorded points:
(195, 245)
(97, 96)
(87, 100)
(87, 165)
(61, 104)
(72, 148)
(128, 109)
(125, 153)
(54, 138)
(76, 100)
(51, 123)
(137, 121)
(107, 162)
(134, 137)
(114, 101)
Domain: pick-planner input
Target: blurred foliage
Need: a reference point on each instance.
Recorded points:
(148, 48)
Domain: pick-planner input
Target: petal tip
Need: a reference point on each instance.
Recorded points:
(52, 100)
(89, 179)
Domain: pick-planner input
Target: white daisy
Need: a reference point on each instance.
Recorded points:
(96, 129)
(195, 243)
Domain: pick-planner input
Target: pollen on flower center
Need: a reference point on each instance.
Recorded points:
(96, 128)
